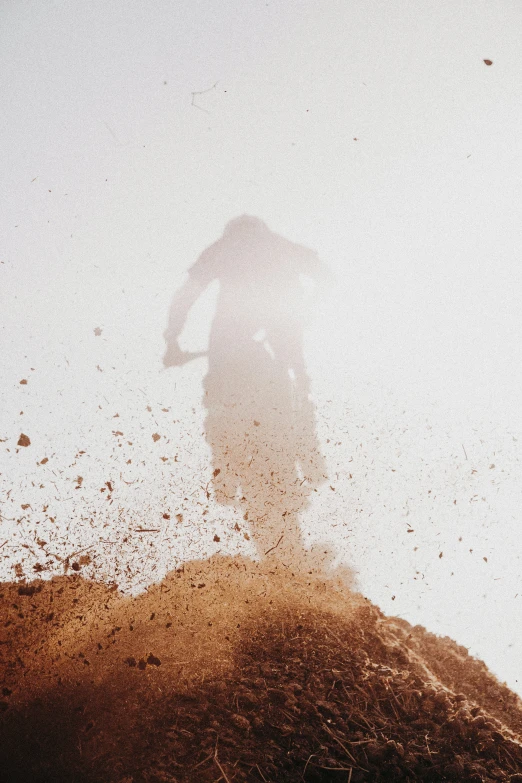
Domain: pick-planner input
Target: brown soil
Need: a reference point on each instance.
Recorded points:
(228, 672)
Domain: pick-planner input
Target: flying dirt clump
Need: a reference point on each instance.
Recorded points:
(229, 671)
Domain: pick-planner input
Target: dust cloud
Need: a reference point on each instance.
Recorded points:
(266, 667)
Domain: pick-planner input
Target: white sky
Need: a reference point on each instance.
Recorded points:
(113, 183)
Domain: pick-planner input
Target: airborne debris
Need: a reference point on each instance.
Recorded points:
(202, 92)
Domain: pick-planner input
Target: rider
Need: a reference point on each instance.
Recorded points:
(260, 421)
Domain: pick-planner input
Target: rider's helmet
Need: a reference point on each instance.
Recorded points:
(245, 225)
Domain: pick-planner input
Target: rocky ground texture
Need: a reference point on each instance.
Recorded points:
(227, 671)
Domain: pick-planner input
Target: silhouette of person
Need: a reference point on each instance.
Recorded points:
(260, 422)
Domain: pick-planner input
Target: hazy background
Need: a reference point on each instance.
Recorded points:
(372, 132)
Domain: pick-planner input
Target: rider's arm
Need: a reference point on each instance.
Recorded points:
(200, 275)
(183, 300)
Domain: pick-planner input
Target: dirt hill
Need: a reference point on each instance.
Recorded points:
(229, 671)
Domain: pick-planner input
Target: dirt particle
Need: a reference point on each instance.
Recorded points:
(156, 437)
(29, 589)
(241, 722)
(152, 660)
(490, 62)
(24, 440)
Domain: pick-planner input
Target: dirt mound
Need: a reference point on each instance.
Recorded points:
(229, 671)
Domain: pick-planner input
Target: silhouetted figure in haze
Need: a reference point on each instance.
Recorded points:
(260, 422)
